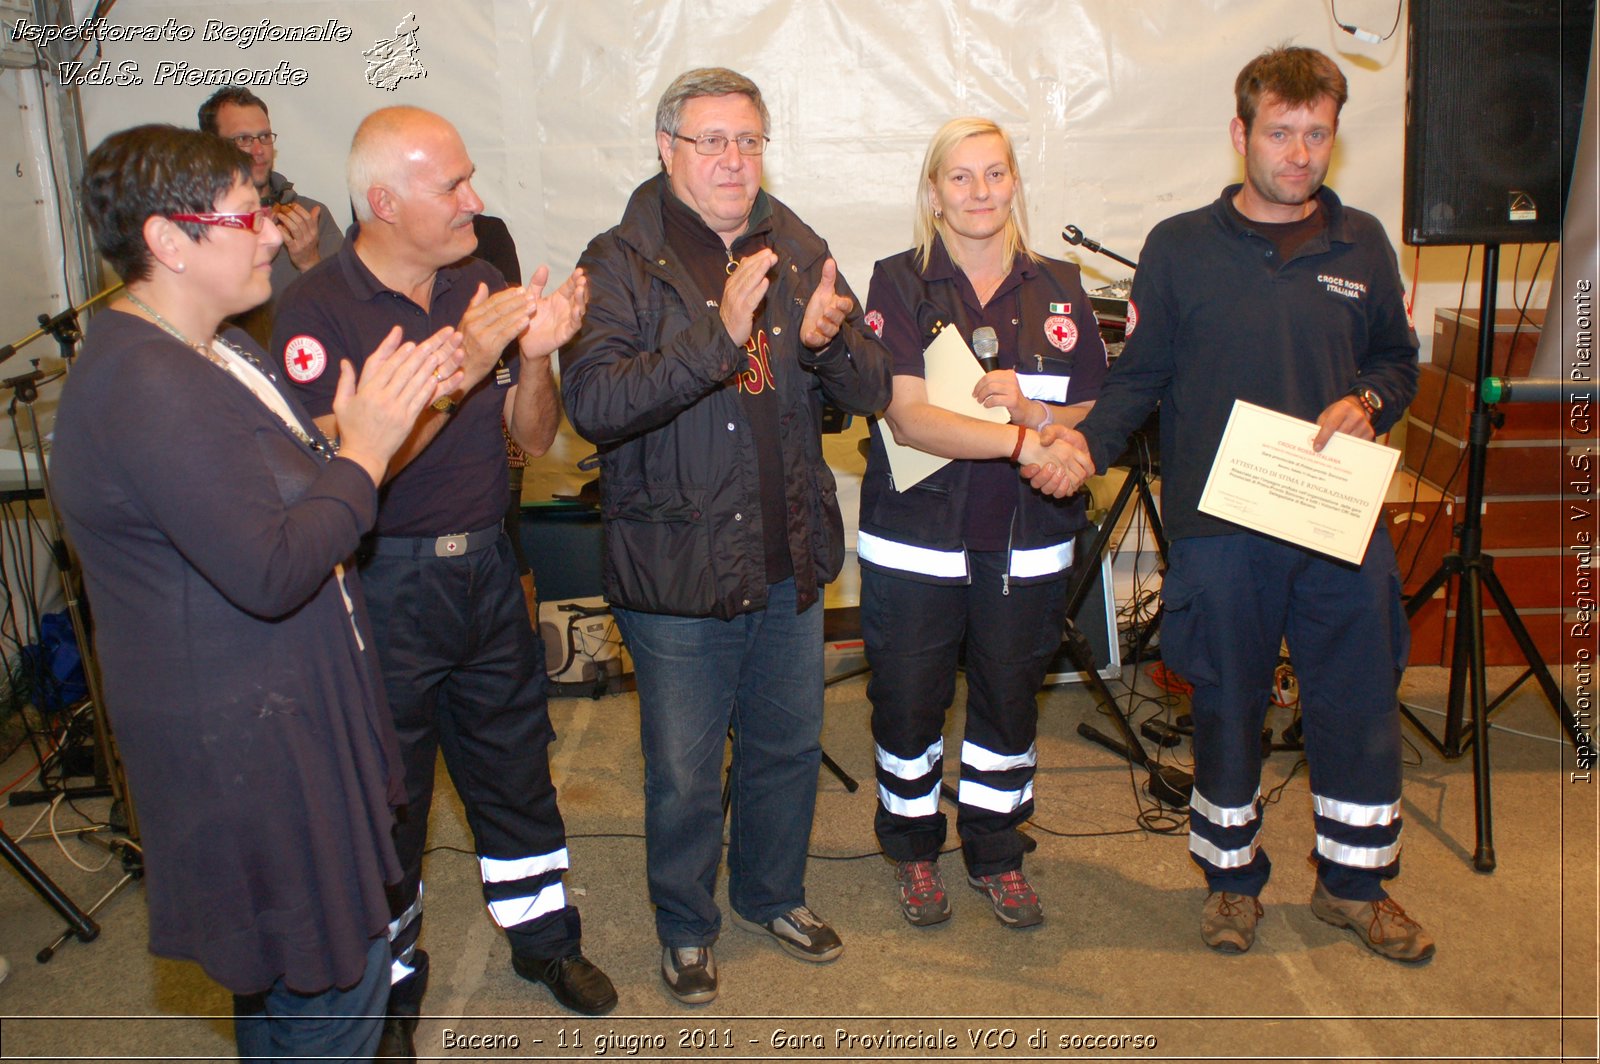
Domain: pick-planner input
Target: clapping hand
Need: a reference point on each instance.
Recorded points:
(299, 228)
(490, 323)
(557, 316)
(377, 410)
(825, 311)
(743, 292)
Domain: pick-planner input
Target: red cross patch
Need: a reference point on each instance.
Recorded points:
(1061, 332)
(304, 359)
(874, 322)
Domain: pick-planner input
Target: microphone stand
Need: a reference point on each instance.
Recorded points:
(64, 327)
(1167, 784)
(1074, 236)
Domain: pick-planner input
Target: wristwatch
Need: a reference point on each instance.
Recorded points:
(1371, 402)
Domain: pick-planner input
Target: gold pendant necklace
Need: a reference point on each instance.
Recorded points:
(207, 352)
(199, 349)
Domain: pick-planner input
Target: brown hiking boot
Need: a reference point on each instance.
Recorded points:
(1228, 921)
(1382, 926)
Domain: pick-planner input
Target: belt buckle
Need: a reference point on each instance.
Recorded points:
(450, 546)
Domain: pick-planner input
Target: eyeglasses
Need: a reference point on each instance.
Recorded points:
(244, 140)
(716, 143)
(252, 221)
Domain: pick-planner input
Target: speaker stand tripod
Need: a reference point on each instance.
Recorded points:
(1469, 572)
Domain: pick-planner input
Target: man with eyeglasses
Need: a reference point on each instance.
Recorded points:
(718, 325)
(309, 233)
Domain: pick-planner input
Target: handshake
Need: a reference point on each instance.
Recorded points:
(1055, 461)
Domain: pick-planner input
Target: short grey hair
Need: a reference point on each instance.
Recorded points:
(375, 155)
(706, 81)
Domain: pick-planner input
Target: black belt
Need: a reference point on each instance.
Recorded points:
(456, 545)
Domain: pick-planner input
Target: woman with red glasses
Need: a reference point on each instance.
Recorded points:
(214, 522)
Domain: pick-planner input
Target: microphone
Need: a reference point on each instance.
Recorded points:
(986, 345)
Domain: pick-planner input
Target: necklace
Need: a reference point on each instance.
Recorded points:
(200, 349)
(986, 289)
(264, 390)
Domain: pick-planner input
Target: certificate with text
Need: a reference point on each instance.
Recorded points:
(1267, 478)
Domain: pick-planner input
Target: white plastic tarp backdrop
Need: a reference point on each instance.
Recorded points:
(1120, 108)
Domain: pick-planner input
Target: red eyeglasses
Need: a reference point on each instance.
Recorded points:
(252, 221)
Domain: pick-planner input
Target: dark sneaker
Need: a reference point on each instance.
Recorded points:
(922, 898)
(398, 1043)
(690, 972)
(1228, 921)
(1014, 901)
(1382, 926)
(801, 932)
(573, 979)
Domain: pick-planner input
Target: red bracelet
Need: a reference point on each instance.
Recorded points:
(1016, 452)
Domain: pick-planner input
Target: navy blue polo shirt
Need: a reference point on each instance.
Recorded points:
(340, 310)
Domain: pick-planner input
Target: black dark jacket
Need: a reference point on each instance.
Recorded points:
(650, 379)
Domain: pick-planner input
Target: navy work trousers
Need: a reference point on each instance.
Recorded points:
(1229, 602)
(914, 632)
(465, 675)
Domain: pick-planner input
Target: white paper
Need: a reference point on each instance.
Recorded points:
(951, 372)
(1267, 478)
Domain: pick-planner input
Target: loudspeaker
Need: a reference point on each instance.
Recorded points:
(1494, 94)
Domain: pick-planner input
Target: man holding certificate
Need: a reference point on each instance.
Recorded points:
(1277, 295)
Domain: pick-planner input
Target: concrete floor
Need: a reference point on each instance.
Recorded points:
(1119, 955)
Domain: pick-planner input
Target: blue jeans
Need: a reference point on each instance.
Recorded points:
(760, 675)
(344, 1024)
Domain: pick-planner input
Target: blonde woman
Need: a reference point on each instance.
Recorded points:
(980, 552)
